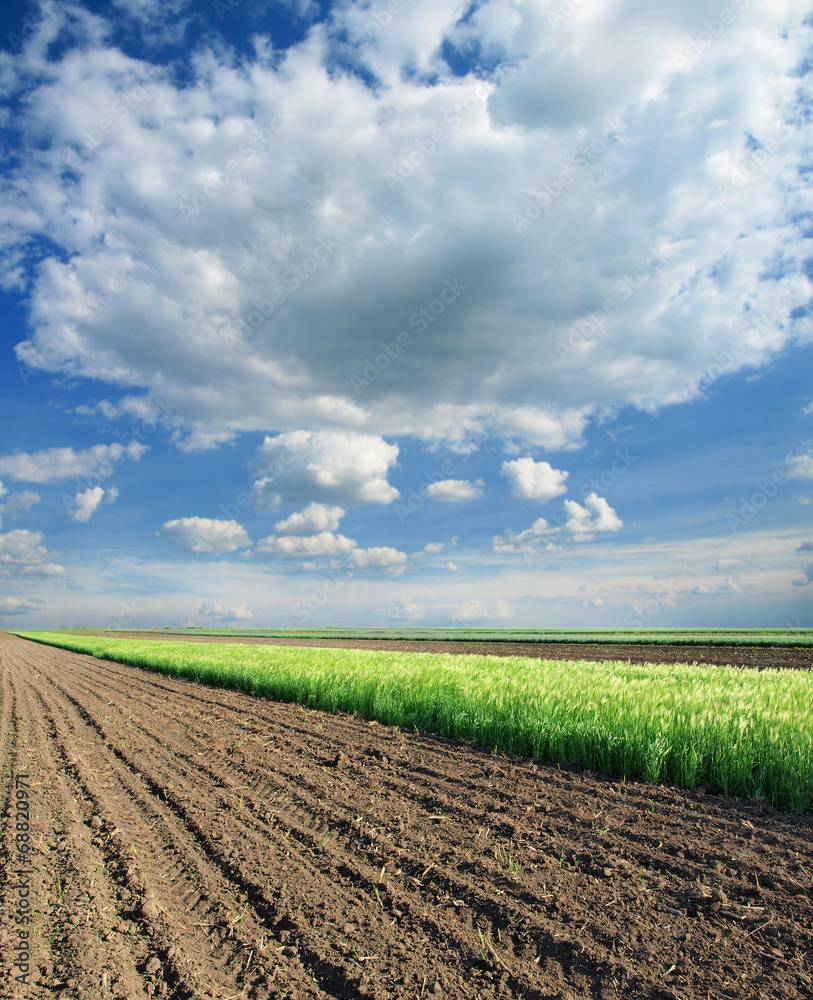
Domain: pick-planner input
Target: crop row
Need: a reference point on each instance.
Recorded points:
(681, 637)
(747, 732)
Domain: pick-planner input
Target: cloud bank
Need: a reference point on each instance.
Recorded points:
(601, 212)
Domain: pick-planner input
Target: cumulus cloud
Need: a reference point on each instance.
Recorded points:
(152, 13)
(536, 538)
(595, 515)
(805, 546)
(344, 468)
(18, 503)
(324, 240)
(435, 548)
(407, 609)
(477, 610)
(23, 554)
(453, 490)
(56, 464)
(580, 522)
(19, 605)
(726, 565)
(325, 543)
(88, 501)
(801, 466)
(315, 518)
(382, 557)
(221, 613)
(204, 536)
(530, 480)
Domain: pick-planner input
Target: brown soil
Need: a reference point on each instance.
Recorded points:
(761, 657)
(194, 842)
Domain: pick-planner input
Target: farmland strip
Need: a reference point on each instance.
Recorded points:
(398, 864)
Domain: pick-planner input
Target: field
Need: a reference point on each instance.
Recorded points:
(649, 637)
(748, 733)
(194, 841)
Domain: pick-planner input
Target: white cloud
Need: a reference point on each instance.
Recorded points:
(537, 538)
(17, 605)
(476, 610)
(103, 408)
(435, 548)
(727, 586)
(530, 480)
(801, 467)
(18, 503)
(578, 296)
(151, 10)
(595, 515)
(453, 490)
(204, 536)
(221, 613)
(86, 504)
(88, 501)
(381, 557)
(158, 21)
(406, 609)
(23, 554)
(325, 543)
(726, 565)
(305, 10)
(316, 517)
(55, 464)
(346, 468)
(580, 522)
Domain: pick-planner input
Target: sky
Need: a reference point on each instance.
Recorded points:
(410, 313)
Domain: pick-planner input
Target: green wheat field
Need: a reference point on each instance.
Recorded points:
(747, 732)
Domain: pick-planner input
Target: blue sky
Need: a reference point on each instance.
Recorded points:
(419, 313)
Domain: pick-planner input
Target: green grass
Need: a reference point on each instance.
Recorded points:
(682, 637)
(748, 732)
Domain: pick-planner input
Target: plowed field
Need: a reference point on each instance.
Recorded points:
(759, 657)
(195, 842)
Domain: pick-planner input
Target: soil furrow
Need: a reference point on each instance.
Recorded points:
(81, 887)
(143, 815)
(303, 854)
(760, 657)
(360, 874)
(229, 867)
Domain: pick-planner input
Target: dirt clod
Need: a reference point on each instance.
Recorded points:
(153, 966)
